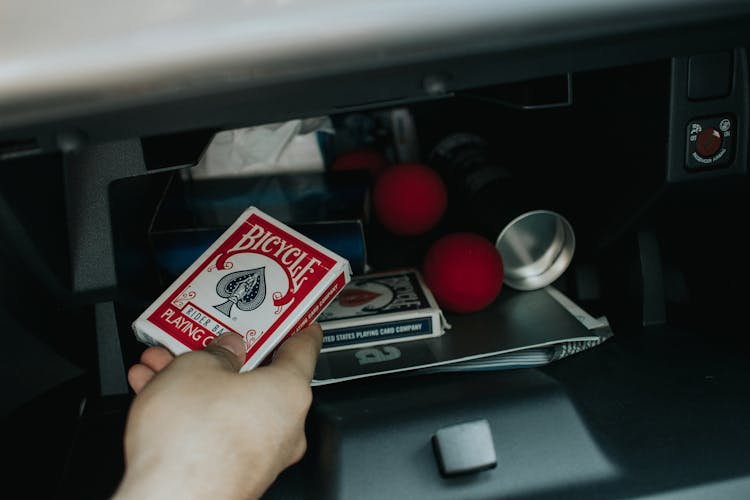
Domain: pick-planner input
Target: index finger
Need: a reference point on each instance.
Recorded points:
(299, 353)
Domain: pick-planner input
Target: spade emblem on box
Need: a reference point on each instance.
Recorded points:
(244, 289)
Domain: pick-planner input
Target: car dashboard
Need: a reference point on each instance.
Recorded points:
(631, 117)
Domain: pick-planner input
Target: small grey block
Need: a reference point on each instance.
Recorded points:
(464, 448)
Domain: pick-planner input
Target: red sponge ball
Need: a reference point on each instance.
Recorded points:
(409, 198)
(464, 272)
(361, 159)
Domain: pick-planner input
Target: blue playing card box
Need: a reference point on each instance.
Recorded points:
(379, 308)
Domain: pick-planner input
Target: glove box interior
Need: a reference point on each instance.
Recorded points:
(659, 407)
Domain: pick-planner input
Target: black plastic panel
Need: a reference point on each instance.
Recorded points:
(511, 45)
(684, 113)
(380, 442)
(652, 411)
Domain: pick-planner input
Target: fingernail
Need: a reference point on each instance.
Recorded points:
(231, 342)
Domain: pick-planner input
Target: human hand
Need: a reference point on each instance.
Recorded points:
(199, 429)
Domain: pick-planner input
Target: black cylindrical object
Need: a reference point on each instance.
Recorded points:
(536, 243)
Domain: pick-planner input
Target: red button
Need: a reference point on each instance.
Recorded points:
(708, 142)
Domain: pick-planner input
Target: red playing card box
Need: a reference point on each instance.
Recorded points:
(260, 279)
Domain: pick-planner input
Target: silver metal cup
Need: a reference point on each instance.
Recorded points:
(536, 247)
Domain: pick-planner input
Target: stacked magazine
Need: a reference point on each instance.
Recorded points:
(521, 329)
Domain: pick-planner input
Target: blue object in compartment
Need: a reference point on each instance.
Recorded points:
(175, 251)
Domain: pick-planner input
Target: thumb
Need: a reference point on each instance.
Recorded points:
(230, 349)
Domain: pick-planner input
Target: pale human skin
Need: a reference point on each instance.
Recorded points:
(199, 429)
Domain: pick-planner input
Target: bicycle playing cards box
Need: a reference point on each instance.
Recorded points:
(379, 308)
(260, 279)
